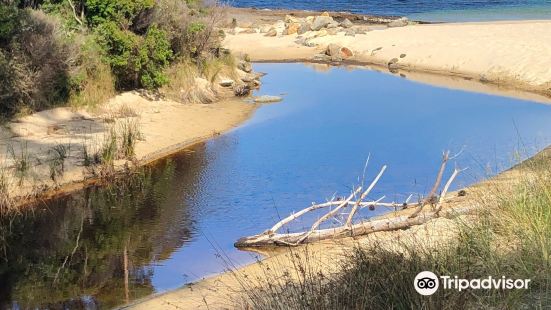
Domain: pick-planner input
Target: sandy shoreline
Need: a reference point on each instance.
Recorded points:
(504, 56)
(165, 127)
(509, 54)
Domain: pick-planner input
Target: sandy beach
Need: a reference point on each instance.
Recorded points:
(511, 54)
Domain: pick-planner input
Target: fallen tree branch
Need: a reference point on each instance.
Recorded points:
(271, 236)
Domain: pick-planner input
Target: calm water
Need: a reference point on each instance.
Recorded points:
(429, 10)
(158, 231)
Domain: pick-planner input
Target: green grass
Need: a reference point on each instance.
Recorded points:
(511, 237)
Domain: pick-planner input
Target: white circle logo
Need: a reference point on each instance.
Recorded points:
(426, 283)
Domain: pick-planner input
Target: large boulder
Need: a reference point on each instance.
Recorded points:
(321, 22)
(401, 22)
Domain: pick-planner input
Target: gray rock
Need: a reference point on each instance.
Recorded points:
(304, 27)
(267, 99)
(350, 33)
(300, 40)
(399, 22)
(403, 55)
(321, 22)
(332, 25)
(347, 23)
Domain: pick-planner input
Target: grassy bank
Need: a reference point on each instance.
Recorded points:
(511, 237)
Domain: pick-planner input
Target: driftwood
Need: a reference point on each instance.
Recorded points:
(271, 236)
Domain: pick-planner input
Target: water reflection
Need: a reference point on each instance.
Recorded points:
(94, 249)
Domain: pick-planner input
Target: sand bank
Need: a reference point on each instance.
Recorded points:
(513, 53)
(164, 127)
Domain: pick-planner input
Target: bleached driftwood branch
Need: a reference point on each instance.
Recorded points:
(271, 236)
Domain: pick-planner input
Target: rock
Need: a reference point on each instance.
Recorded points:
(271, 33)
(333, 49)
(346, 23)
(321, 22)
(337, 52)
(226, 83)
(345, 52)
(267, 99)
(291, 19)
(350, 33)
(304, 28)
(321, 33)
(245, 66)
(402, 55)
(310, 19)
(300, 40)
(292, 28)
(326, 14)
(399, 22)
(393, 64)
(310, 44)
(332, 31)
(242, 90)
(332, 25)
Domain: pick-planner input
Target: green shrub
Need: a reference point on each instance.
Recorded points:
(121, 12)
(136, 61)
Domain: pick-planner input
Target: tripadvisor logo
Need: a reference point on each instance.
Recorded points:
(427, 283)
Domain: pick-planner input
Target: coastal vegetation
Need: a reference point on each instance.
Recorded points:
(81, 52)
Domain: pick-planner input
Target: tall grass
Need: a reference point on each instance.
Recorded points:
(510, 237)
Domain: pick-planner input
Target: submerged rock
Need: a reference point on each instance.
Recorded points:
(267, 99)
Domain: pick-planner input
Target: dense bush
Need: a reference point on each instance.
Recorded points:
(34, 61)
(80, 51)
(136, 61)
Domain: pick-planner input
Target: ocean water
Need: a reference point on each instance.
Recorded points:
(428, 10)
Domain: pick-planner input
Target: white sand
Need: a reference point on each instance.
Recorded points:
(516, 53)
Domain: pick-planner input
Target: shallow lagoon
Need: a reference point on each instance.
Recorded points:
(174, 223)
